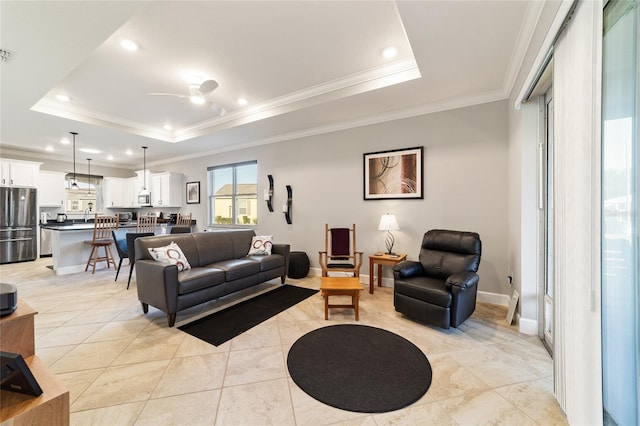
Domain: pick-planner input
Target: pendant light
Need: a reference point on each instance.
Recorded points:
(89, 166)
(144, 191)
(74, 185)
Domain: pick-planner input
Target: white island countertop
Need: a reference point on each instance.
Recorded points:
(69, 250)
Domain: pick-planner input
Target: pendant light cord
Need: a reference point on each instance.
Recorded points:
(144, 168)
(74, 185)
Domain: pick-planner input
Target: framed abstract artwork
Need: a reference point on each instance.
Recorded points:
(396, 174)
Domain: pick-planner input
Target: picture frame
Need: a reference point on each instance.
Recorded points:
(394, 174)
(193, 192)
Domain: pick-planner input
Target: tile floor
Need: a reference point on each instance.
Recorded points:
(125, 368)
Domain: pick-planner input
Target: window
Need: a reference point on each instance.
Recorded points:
(233, 194)
(620, 213)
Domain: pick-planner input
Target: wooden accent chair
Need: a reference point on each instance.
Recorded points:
(340, 253)
(146, 223)
(102, 237)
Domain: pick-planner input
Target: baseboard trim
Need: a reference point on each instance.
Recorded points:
(493, 298)
(527, 326)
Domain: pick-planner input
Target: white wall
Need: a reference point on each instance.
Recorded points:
(466, 179)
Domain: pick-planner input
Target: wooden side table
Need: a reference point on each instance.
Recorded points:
(382, 260)
(17, 409)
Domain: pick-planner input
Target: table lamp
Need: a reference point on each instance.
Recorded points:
(388, 223)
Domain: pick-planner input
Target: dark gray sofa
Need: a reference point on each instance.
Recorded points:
(219, 266)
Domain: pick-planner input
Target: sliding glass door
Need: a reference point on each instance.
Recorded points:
(620, 213)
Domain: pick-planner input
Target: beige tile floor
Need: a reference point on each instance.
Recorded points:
(124, 368)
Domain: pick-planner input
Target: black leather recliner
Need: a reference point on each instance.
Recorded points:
(440, 289)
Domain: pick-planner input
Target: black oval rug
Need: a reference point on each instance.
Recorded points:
(359, 368)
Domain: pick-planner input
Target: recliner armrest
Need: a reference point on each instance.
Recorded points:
(462, 280)
(407, 269)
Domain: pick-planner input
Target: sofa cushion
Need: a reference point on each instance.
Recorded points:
(171, 254)
(426, 289)
(261, 245)
(269, 262)
(185, 241)
(213, 246)
(199, 278)
(237, 268)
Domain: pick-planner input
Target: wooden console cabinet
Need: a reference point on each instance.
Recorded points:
(16, 409)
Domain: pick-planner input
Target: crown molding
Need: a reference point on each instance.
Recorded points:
(375, 78)
(399, 114)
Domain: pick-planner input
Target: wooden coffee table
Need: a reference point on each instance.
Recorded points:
(341, 286)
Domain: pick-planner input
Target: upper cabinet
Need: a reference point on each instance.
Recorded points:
(19, 173)
(113, 192)
(51, 189)
(167, 189)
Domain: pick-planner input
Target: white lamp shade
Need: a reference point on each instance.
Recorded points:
(388, 222)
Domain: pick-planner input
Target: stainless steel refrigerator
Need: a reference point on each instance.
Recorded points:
(18, 224)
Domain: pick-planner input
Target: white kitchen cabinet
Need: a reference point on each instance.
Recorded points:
(119, 192)
(167, 189)
(19, 173)
(113, 190)
(51, 189)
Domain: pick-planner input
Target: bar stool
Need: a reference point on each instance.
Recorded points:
(184, 220)
(146, 223)
(102, 237)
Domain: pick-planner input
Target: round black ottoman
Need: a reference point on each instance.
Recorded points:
(298, 264)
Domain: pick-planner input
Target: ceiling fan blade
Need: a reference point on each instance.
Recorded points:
(208, 86)
(167, 94)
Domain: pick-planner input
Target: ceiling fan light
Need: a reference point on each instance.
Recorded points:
(196, 99)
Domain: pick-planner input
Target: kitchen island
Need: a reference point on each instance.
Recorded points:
(68, 250)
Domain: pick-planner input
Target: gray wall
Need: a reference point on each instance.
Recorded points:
(466, 176)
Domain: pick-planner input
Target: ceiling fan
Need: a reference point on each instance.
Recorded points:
(197, 93)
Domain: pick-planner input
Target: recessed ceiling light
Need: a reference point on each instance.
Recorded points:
(48, 148)
(128, 152)
(128, 45)
(168, 127)
(63, 98)
(243, 101)
(65, 141)
(90, 150)
(109, 157)
(390, 52)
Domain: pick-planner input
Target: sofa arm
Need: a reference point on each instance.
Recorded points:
(157, 284)
(284, 250)
(462, 280)
(407, 269)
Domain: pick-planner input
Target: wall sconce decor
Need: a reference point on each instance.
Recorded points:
(268, 194)
(286, 208)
